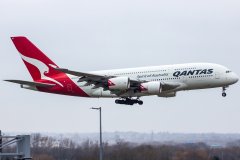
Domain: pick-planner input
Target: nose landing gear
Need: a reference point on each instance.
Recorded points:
(128, 101)
(224, 94)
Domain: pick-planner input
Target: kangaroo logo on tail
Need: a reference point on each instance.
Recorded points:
(43, 68)
(34, 56)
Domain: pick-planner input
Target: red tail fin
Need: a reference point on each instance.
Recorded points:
(37, 63)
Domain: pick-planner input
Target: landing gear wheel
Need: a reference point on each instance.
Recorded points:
(117, 101)
(224, 94)
(140, 102)
(128, 101)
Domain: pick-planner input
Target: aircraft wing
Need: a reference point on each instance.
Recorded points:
(93, 78)
(34, 84)
(101, 80)
(79, 74)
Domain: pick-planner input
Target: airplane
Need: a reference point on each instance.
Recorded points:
(127, 85)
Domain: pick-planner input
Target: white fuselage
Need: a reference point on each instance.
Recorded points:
(189, 77)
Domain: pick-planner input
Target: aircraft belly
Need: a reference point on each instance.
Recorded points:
(202, 84)
(98, 92)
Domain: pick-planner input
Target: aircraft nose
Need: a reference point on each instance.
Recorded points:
(235, 78)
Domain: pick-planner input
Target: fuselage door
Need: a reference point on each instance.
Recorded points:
(217, 75)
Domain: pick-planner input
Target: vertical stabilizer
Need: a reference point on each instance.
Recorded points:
(37, 63)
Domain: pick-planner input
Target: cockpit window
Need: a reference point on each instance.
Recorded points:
(228, 71)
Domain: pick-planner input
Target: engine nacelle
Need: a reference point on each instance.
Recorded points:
(168, 94)
(151, 87)
(119, 83)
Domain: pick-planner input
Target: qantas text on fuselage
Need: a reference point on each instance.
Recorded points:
(126, 84)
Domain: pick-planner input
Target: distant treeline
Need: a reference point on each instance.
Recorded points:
(49, 148)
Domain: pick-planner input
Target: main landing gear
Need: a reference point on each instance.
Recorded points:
(128, 101)
(224, 94)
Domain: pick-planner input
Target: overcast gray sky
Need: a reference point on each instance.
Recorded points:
(86, 35)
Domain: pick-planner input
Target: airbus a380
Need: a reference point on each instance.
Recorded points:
(128, 85)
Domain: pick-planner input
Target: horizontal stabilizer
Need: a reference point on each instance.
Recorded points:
(34, 84)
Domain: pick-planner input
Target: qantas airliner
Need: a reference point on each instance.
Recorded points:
(128, 85)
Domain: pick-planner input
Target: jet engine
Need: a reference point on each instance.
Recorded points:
(151, 87)
(119, 83)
